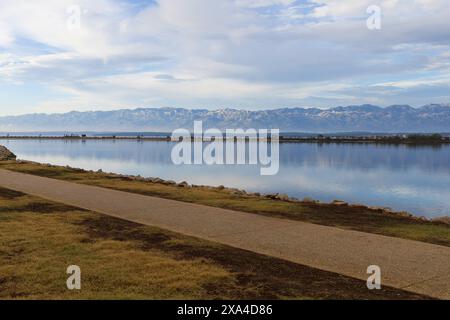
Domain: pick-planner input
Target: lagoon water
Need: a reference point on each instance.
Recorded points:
(414, 179)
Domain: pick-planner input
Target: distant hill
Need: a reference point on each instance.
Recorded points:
(397, 118)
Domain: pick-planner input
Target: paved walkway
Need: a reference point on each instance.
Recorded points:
(414, 266)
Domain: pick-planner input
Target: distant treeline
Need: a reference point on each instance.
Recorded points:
(401, 138)
(393, 139)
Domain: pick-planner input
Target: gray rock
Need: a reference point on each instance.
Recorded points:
(404, 214)
(283, 197)
(6, 155)
(339, 203)
(183, 184)
(445, 220)
(254, 194)
(358, 205)
(376, 208)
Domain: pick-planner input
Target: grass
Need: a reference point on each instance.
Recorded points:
(39, 239)
(358, 218)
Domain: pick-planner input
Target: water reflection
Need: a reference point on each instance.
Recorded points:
(415, 179)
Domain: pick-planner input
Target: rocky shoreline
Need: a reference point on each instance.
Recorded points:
(245, 194)
(6, 155)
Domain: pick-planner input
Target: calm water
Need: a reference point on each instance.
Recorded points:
(415, 179)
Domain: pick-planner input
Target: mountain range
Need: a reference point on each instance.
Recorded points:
(369, 118)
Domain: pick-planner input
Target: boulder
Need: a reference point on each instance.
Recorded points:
(235, 191)
(183, 184)
(6, 155)
(358, 205)
(445, 220)
(308, 200)
(339, 203)
(404, 214)
(282, 197)
(376, 208)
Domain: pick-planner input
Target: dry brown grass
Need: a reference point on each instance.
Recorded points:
(123, 260)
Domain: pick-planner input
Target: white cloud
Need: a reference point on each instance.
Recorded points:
(263, 3)
(250, 53)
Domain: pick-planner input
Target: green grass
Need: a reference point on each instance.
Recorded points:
(39, 239)
(345, 217)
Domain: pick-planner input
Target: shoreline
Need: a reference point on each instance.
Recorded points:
(389, 140)
(36, 230)
(272, 196)
(384, 210)
(7, 155)
(340, 214)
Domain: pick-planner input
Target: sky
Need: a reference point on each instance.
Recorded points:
(62, 55)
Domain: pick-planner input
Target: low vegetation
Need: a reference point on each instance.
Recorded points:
(340, 215)
(39, 239)
(412, 140)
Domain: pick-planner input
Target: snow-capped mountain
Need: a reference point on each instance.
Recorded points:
(397, 118)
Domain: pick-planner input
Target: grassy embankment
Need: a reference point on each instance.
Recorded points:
(351, 217)
(39, 239)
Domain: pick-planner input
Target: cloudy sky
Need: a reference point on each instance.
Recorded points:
(62, 55)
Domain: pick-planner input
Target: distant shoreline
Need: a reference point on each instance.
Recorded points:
(415, 139)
